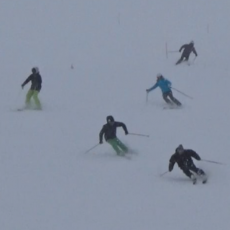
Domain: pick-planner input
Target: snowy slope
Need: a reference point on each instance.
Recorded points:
(116, 48)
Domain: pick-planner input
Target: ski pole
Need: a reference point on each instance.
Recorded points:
(18, 97)
(138, 134)
(214, 162)
(146, 99)
(194, 59)
(162, 174)
(92, 148)
(182, 93)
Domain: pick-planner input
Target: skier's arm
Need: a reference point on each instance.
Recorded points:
(194, 51)
(182, 47)
(152, 88)
(39, 79)
(171, 163)
(26, 81)
(120, 124)
(38, 82)
(101, 135)
(194, 155)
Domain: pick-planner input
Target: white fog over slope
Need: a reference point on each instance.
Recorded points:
(116, 48)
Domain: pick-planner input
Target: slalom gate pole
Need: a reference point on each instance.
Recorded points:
(214, 162)
(173, 51)
(162, 174)
(166, 50)
(92, 148)
(138, 134)
(182, 93)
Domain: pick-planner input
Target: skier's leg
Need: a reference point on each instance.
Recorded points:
(174, 99)
(28, 97)
(113, 143)
(122, 146)
(180, 60)
(165, 97)
(186, 57)
(36, 99)
(198, 171)
(187, 172)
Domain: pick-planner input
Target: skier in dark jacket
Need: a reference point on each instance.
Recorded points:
(109, 132)
(187, 49)
(36, 85)
(183, 157)
(165, 86)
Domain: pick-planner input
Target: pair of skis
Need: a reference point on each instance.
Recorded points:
(204, 178)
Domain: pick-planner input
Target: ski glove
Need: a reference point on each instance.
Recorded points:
(101, 142)
(170, 167)
(147, 90)
(126, 133)
(22, 86)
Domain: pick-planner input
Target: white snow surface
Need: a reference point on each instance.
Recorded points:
(116, 48)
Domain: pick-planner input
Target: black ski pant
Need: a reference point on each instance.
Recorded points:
(173, 99)
(183, 58)
(187, 170)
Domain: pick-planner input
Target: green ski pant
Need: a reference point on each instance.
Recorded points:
(34, 94)
(118, 146)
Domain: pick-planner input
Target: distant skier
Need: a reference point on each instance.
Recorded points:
(109, 132)
(36, 85)
(183, 157)
(187, 49)
(165, 86)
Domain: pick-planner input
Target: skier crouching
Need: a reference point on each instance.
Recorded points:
(183, 157)
(165, 86)
(109, 132)
(187, 50)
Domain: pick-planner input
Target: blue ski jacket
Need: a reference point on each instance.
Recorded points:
(164, 85)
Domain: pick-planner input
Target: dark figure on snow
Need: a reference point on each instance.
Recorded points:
(187, 49)
(165, 86)
(183, 157)
(36, 85)
(109, 132)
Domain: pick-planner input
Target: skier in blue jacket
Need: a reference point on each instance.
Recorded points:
(165, 86)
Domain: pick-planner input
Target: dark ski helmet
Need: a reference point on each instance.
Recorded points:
(180, 149)
(109, 119)
(35, 70)
(159, 76)
(192, 42)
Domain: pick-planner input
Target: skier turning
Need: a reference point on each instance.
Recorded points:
(165, 86)
(183, 157)
(187, 49)
(36, 85)
(109, 132)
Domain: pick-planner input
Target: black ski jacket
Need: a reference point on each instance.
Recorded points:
(36, 81)
(187, 49)
(183, 160)
(109, 130)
